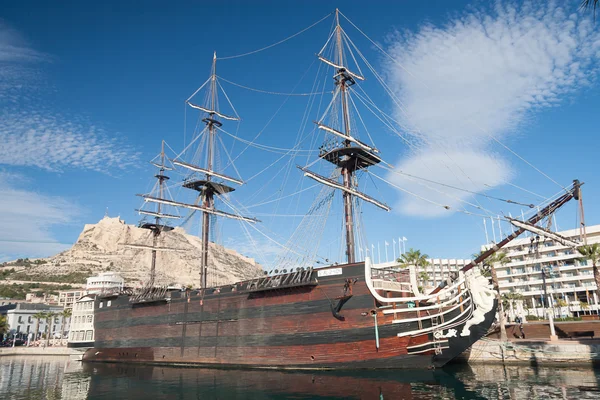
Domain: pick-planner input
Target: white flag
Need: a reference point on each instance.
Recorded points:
(386, 243)
(403, 238)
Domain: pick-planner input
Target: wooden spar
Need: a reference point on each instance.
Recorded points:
(340, 67)
(351, 191)
(195, 168)
(212, 112)
(158, 215)
(198, 208)
(546, 211)
(346, 137)
(538, 230)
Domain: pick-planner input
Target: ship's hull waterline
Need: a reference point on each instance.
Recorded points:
(295, 327)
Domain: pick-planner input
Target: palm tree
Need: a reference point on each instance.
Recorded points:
(593, 4)
(414, 257)
(3, 325)
(511, 298)
(491, 262)
(592, 252)
(584, 306)
(49, 323)
(66, 313)
(38, 316)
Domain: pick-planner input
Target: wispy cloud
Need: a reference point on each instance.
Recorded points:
(482, 75)
(34, 135)
(27, 218)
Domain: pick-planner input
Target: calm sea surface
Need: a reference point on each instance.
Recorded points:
(31, 377)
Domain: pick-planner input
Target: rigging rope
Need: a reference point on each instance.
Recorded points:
(399, 172)
(277, 43)
(270, 92)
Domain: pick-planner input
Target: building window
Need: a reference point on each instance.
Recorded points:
(109, 303)
(90, 318)
(101, 304)
(88, 335)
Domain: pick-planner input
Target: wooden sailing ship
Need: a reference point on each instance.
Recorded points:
(355, 315)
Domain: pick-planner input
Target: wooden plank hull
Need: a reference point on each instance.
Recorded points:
(292, 327)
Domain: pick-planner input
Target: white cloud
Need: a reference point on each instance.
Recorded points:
(484, 74)
(31, 133)
(27, 218)
(449, 167)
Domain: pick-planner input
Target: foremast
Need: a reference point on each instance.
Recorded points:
(349, 155)
(205, 179)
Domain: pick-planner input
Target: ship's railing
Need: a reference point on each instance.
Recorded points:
(149, 294)
(402, 287)
(301, 277)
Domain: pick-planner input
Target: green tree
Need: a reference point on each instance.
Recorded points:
(511, 299)
(66, 313)
(584, 306)
(419, 260)
(591, 252)
(3, 325)
(49, 324)
(593, 4)
(38, 317)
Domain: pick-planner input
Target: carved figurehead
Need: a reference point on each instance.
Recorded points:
(482, 296)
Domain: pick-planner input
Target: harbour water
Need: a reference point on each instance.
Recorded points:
(35, 377)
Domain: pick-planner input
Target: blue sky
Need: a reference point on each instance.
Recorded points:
(88, 91)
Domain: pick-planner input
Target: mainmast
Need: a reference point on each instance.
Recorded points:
(205, 179)
(350, 154)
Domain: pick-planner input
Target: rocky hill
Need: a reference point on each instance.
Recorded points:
(104, 247)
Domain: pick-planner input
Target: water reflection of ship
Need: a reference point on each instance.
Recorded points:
(157, 382)
(75, 383)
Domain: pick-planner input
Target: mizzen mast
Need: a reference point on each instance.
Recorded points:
(157, 227)
(349, 154)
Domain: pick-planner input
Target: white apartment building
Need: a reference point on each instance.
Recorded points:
(567, 277)
(103, 282)
(22, 322)
(66, 298)
(82, 322)
(439, 269)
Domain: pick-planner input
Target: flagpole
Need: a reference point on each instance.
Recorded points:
(394, 248)
(386, 252)
(379, 253)
(487, 238)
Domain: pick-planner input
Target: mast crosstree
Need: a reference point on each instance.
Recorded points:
(351, 154)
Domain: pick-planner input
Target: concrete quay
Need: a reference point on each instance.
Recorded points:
(36, 351)
(584, 352)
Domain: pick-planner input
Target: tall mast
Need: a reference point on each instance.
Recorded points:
(156, 232)
(205, 179)
(346, 172)
(352, 154)
(158, 226)
(207, 194)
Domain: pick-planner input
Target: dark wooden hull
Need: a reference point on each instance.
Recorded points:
(292, 327)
